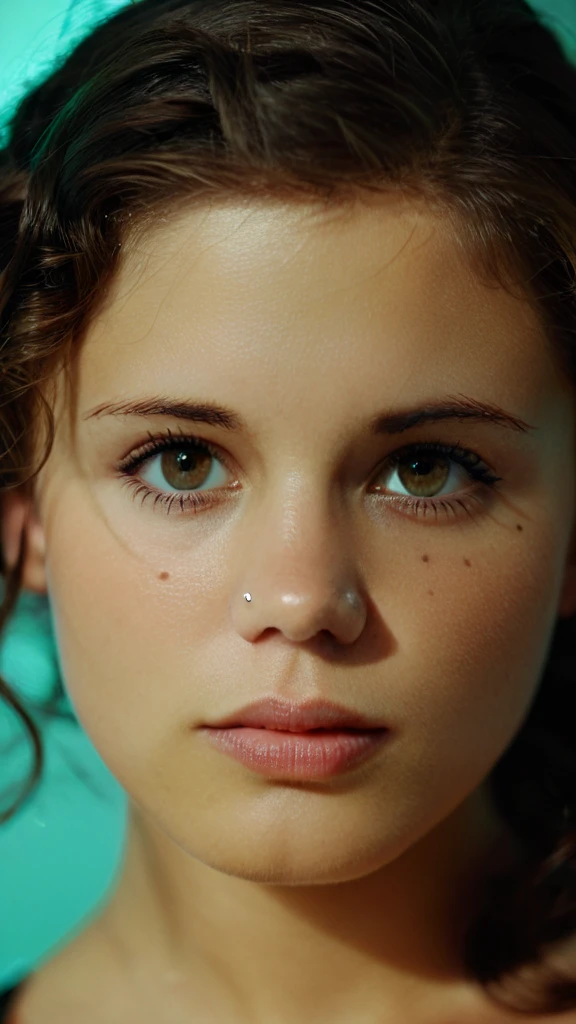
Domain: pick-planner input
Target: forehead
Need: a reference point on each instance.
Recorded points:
(378, 287)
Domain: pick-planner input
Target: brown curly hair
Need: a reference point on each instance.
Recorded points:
(470, 106)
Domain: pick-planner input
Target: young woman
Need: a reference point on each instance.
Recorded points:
(288, 443)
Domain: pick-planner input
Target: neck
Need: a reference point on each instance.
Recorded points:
(395, 935)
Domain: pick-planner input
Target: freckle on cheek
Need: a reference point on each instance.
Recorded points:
(164, 576)
(425, 558)
(467, 561)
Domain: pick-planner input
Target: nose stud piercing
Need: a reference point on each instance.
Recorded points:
(248, 597)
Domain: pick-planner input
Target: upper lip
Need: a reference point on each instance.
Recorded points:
(289, 716)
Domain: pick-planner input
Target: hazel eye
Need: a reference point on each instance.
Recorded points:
(427, 466)
(187, 473)
(424, 476)
(170, 469)
(424, 470)
(183, 468)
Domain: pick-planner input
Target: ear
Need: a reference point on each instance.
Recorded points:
(19, 517)
(567, 603)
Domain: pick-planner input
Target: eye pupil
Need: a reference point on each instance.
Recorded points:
(181, 459)
(425, 462)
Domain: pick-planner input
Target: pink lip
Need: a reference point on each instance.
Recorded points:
(312, 740)
(289, 716)
(303, 755)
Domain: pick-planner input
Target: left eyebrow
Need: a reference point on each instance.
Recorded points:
(454, 407)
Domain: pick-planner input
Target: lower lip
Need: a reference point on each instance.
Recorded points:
(297, 755)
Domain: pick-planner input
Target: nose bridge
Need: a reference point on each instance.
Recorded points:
(300, 524)
(298, 565)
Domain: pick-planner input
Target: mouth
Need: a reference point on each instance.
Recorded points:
(314, 755)
(275, 713)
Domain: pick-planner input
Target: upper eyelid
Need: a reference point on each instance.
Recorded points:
(169, 439)
(166, 440)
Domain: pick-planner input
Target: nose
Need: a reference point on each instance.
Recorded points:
(302, 615)
(302, 588)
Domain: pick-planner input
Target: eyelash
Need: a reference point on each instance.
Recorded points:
(193, 501)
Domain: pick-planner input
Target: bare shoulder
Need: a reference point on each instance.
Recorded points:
(478, 1008)
(568, 1017)
(497, 1016)
(85, 982)
(80, 982)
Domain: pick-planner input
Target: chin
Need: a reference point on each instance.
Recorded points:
(298, 866)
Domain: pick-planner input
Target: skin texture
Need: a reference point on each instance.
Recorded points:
(307, 323)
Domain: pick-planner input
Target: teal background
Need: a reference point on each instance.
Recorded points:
(60, 855)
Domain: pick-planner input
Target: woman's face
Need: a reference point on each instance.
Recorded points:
(307, 325)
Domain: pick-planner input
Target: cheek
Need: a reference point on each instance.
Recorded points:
(479, 625)
(146, 645)
(130, 634)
